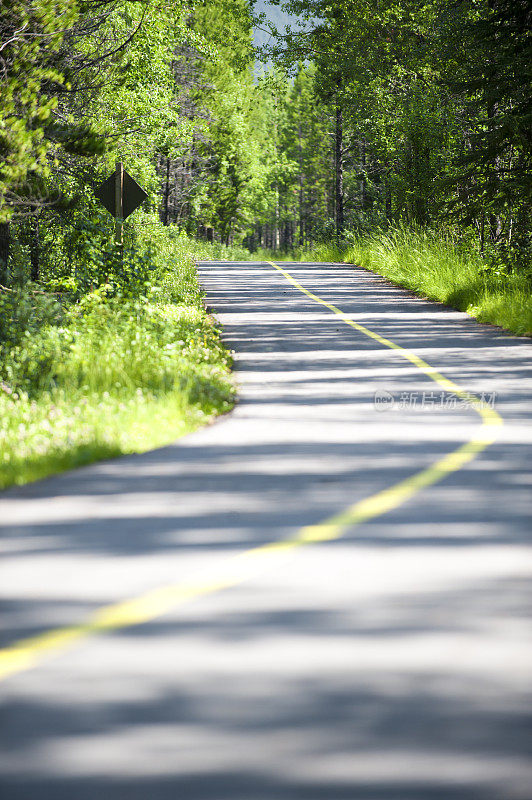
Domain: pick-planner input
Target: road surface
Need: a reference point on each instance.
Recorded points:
(322, 595)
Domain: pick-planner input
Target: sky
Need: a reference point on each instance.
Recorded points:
(273, 13)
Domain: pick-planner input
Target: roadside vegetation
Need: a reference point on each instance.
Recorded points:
(110, 372)
(440, 265)
(444, 267)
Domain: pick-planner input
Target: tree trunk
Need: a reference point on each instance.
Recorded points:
(301, 194)
(167, 193)
(388, 195)
(287, 244)
(339, 167)
(363, 186)
(495, 219)
(35, 249)
(227, 232)
(5, 241)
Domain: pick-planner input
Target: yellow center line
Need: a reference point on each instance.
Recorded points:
(27, 653)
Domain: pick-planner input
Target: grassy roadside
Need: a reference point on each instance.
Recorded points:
(438, 266)
(103, 376)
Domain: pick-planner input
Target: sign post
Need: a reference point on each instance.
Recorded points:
(120, 194)
(119, 207)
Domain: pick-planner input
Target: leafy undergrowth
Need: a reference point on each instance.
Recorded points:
(440, 267)
(104, 376)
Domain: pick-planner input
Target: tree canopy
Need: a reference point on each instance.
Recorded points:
(414, 111)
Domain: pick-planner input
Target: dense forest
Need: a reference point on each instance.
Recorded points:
(396, 111)
(361, 118)
(165, 89)
(427, 110)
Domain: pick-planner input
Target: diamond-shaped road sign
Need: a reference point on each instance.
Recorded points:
(132, 194)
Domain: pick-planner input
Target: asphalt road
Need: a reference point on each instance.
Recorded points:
(385, 660)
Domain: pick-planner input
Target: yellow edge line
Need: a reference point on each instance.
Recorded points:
(27, 653)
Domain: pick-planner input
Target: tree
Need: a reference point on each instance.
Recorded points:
(493, 82)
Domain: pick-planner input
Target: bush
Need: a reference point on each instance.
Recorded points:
(23, 312)
(129, 365)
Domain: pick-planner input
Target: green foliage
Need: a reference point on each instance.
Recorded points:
(23, 312)
(25, 106)
(441, 265)
(108, 374)
(494, 82)
(436, 107)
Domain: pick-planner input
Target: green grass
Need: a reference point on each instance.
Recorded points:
(439, 266)
(183, 246)
(104, 377)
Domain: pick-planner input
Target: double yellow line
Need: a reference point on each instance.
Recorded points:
(28, 653)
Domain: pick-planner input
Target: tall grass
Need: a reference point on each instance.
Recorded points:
(439, 265)
(104, 376)
(183, 247)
